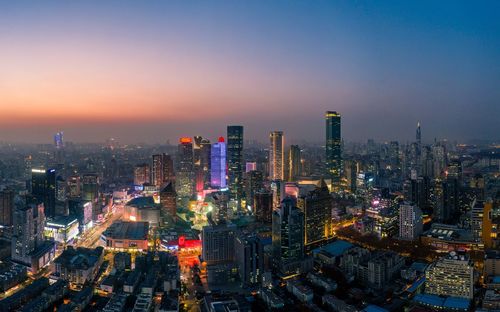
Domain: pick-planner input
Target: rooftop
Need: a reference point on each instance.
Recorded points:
(80, 258)
(142, 202)
(128, 230)
(336, 248)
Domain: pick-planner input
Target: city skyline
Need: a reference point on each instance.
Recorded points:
(159, 71)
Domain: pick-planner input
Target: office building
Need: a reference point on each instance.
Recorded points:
(410, 221)
(142, 173)
(253, 183)
(452, 275)
(218, 243)
(333, 149)
(276, 156)
(168, 201)
(294, 163)
(185, 171)
(288, 237)
(317, 209)
(43, 189)
(235, 161)
(263, 206)
(74, 186)
(249, 252)
(162, 169)
(205, 161)
(6, 207)
(218, 167)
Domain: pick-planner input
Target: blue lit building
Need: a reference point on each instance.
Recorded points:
(218, 164)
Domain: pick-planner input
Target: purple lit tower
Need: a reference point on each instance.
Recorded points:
(218, 167)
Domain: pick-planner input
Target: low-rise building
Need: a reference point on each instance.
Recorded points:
(78, 266)
(125, 236)
(302, 292)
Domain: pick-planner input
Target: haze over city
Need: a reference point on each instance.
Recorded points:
(151, 72)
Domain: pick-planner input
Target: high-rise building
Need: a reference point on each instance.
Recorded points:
(218, 243)
(90, 187)
(197, 166)
(263, 206)
(288, 237)
(294, 163)
(276, 156)
(218, 167)
(481, 223)
(162, 170)
(410, 221)
(254, 182)
(206, 161)
(168, 201)
(185, 174)
(235, 161)
(43, 189)
(449, 205)
(157, 170)
(420, 193)
(333, 148)
(452, 275)
(249, 252)
(142, 173)
(28, 245)
(59, 147)
(74, 186)
(317, 208)
(278, 190)
(6, 207)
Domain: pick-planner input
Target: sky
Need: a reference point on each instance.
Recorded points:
(152, 71)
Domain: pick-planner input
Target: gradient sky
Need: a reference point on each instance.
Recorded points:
(148, 71)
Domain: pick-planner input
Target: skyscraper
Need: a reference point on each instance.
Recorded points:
(249, 254)
(28, 245)
(333, 148)
(205, 161)
(254, 182)
(218, 243)
(43, 189)
(410, 222)
(6, 207)
(90, 192)
(288, 237)
(294, 163)
(142, 174)
(317, 208)
(185, 175)
(157, 170)
(235, 160)
(263, 206)
(168, 201)
(276, 156)
(218, 167)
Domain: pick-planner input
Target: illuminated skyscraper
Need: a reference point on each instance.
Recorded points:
(74, 186)
(43, 189)
(90, 192)
(142, 174)
(185, 174)
(157, 170)
(294, 162)
(287, 237)
(168, 201)
(205, 161)
(163, 170)
(317, 208)
(254, 182)
(276, 156)
(235, 160)
(59, 145)
(218, 168)
(333, 148)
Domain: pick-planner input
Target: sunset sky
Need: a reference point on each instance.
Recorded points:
(148, 71)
